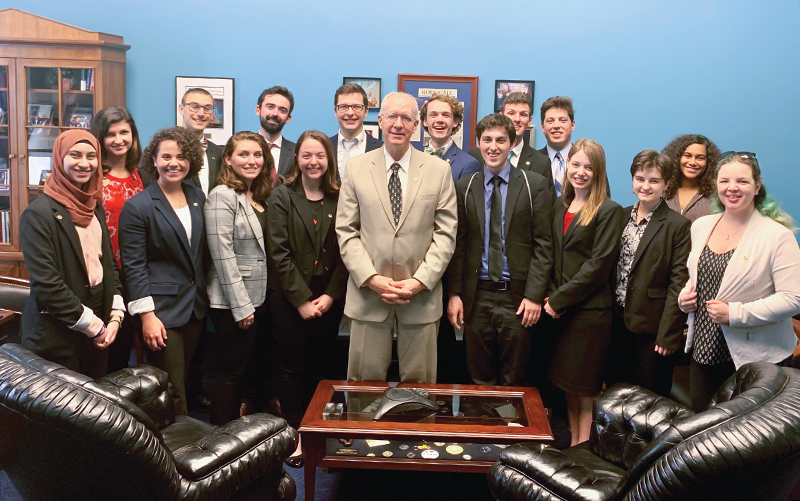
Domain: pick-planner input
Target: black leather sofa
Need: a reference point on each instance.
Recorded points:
(744, 446)
(64, 436)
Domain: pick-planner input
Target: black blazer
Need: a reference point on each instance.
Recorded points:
(372, 144)
(157, 258)
(584, 258)
(290, 245)
(58, 277)
(530, 160)
(214, 157)
(529, 246)
(287, 157)
(657, 276)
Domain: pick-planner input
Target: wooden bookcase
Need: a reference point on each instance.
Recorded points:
(52, 77)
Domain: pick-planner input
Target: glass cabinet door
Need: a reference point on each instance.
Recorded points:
(5, 156)
(58, 99)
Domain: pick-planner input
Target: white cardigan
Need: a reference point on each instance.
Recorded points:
(761, 286)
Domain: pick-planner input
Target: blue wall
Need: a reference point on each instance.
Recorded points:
(640, 72)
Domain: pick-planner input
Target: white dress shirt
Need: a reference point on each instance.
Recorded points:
(358, 149)
(517, 152)
(402, 173)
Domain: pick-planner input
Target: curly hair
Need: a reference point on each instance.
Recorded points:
(261, 187)
(674, 151)
(496, 120)
(187, 141)
(104, 119)
(455, 106)
(763, 202)
(330, 184)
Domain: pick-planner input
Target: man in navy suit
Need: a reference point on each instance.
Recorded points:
(517, 107)
(274, 110)
(197, 111)
(351, 105)
(442, 116)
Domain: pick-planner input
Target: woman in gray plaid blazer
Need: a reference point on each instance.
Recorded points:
(236, 218)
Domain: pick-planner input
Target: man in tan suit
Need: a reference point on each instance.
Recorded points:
(396, 224)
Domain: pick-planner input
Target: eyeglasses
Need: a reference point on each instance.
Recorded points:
(355, 107)
(742, 154)
(392, 118)
(195, 107)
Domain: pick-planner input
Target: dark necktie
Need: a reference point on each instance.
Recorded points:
(496, 232)
(396, 193)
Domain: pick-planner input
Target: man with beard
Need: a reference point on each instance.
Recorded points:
(274, 110)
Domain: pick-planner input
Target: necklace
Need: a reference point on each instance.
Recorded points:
(729, 235)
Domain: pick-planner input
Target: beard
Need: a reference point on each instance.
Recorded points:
(272, 128)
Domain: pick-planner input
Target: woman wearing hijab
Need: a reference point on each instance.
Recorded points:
(75, 307)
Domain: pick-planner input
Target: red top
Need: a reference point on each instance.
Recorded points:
(116, 191)
(568, 217)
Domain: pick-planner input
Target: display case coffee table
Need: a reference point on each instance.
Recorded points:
(466, 434)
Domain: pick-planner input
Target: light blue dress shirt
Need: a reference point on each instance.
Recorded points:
(488, 187)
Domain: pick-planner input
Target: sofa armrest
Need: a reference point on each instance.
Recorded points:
(627, 418)
(248, 439)
(540, 472)
(147, 388)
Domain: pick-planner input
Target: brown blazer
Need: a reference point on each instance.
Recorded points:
(584, 258)
(657, 276)
(290, 245)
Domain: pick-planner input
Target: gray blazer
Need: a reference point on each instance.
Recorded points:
(238, 276)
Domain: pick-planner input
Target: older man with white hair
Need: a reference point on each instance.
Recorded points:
(396, 224)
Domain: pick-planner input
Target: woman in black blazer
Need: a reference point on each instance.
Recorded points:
(75, 307)
(307, 278)
(163, 245)
(586, 233)
(649, 274)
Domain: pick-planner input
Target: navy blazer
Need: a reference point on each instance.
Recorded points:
(157, 257)
(461, 163)
(372, 144)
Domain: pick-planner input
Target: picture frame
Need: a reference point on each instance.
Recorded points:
(373, 129)
(372, 86)
(503, 88)
(463, 88)
(4, 177)
(40, 114)
(222, 90)
(80, 118)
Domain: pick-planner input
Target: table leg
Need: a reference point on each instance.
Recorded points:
(313, 450)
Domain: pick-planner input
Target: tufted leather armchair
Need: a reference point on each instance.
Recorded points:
(745, 445)
(66, 436)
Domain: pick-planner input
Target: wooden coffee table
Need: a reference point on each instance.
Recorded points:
(467, 434)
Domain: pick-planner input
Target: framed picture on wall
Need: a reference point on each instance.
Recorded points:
(465, 89)
(373, 129)
(503, 88)
(372, 86)
(221, 126)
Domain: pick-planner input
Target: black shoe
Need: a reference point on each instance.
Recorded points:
(294, 461)
(199, 402)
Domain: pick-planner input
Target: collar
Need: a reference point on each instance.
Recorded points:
(404, 162)
(648, 217)
(564, 153)
(362, 138)
(278, 142)
(504, 174)
(518, 149)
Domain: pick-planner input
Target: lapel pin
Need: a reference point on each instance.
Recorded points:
(58, 216)
(414, 179)
(745, 258)
(527, 163)
(448, 160)
(195, 204)
(330, 215)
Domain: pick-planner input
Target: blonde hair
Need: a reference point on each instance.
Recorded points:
(597, 190)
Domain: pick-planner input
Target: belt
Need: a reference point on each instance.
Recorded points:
(488, 285)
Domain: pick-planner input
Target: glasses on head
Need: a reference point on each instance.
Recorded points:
(195, 107)
(355, 107)
(741, 154)
(392, 118)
